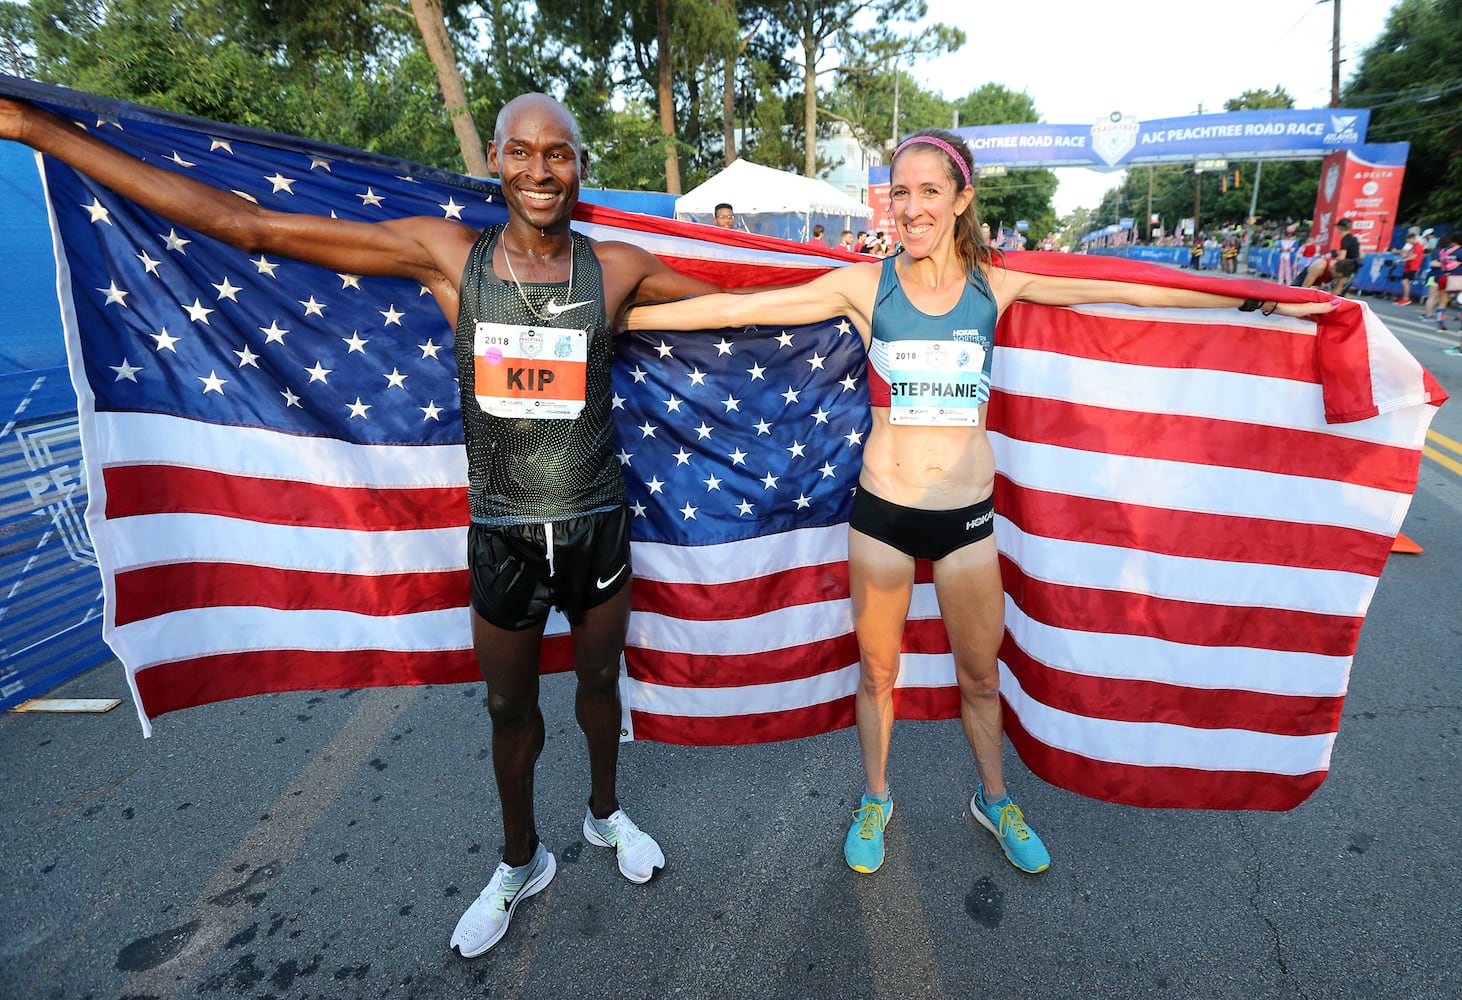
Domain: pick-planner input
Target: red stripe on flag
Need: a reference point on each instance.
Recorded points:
(739, 730)
(1155, 787)
(921, 704)
(134, 490)
(166, 687)
(1269, 351)
(1190, 534)
(731, 670)
(744, 598)
(1090, 609)
(1122, 699)
(158, 590)
(1343, 363)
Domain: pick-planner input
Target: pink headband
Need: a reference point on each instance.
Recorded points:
(959, 161)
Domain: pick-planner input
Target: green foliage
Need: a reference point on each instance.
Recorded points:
(255, 63)
(16, 42)
(1260, 100)
(1411, 79)
(630, 154)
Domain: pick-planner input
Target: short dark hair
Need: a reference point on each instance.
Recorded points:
(726, 205)
(1343, 224)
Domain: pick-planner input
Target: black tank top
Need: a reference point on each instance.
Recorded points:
(529, 471)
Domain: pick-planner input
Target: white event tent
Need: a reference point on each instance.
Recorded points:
(774, 202)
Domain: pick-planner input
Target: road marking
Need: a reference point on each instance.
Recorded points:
(1455, 447)
(899, 946)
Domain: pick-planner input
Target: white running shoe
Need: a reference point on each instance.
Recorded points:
(636, 850)
(486, 920)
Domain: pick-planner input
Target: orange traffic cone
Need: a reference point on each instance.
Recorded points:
(1406, 545)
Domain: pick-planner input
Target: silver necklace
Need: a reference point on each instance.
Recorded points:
(554, 308)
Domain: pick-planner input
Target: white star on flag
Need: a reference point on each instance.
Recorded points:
(125, 371)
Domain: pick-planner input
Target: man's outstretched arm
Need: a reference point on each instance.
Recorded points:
(431, 251)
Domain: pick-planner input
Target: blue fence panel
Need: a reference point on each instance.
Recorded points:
(52, 593)
(50, 589)
(1176, 256)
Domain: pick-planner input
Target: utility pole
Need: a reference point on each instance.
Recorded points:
(894, 141)
(1197, 199)
(1149, 203)
(1335, 58)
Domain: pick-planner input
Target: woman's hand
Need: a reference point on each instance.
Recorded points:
(1302, 309)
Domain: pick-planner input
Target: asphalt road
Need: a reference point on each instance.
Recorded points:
(323, 845)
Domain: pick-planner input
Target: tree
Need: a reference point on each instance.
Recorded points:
(821, 27)
(229, 62)
(433, 27)
(15, 40)
(1409, 78)
(1021, 194)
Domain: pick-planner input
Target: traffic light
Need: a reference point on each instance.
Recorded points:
(1236, 179)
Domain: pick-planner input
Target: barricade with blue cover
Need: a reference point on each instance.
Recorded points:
(50, 589)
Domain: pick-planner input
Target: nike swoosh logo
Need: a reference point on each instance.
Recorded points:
(604, 583)
(554, 309)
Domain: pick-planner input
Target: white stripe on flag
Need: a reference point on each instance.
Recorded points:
(159, 439)
(1144, 658)
(1157, 744)
(160, 539)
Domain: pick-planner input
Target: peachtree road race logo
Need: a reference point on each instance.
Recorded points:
(1342, 130)
(1115, 136)
(55, 484)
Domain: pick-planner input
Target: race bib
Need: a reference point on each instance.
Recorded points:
(937, 383)
(525, 371)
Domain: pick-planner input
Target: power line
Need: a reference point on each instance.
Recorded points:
(1408, 122)
(1430, 95)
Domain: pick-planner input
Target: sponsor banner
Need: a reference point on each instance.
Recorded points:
(1364, 186)
(1121, 141)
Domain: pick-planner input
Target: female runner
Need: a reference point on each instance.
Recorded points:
(928, 470)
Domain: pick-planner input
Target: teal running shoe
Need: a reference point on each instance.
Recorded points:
(1022, 847)
(863, 847)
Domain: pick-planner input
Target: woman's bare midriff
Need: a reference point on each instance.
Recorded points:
(929, 468)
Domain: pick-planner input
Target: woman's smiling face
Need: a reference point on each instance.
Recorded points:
(926, 200)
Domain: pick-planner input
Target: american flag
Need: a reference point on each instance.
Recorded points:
(1194, 506)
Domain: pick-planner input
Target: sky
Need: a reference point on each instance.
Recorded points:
(1081, 61)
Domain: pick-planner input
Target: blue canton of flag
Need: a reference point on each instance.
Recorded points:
(728, 434)
(190, 326)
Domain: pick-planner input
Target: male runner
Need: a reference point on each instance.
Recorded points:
(549, 522)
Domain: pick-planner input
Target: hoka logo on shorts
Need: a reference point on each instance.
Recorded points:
(979, 521)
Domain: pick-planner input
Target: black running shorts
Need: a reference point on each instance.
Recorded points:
(520, 571)
(923, 534)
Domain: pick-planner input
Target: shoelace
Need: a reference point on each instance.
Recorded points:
(611, 831)
(1013, 823)
(870, 820)
(507, 888)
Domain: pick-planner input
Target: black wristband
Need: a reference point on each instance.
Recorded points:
(1270, 311)
(1250, 305)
